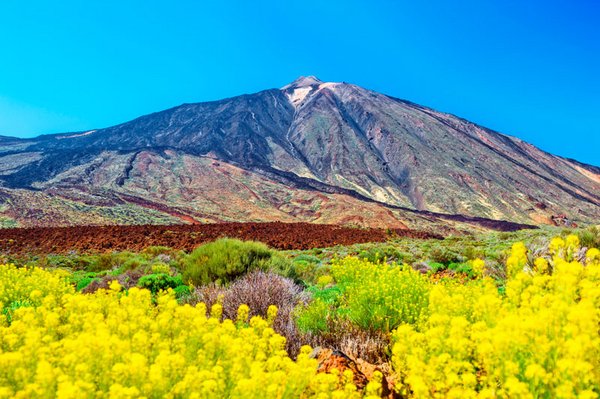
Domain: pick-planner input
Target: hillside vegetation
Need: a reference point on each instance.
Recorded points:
(498, 315)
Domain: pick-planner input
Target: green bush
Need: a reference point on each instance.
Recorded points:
(329, 294)
(443, 255)
(313, 317)
(307, 259)
(84, 282)
(156, 250)
(471, 252)
(590, 237)
(305, 271)
(134, 262)
(461, 268)
(281, 265)
(182, 291)
(160, 281)
(224, 260)
(61, 262)
(383, 254)
(101, 262)
(81, 279)
(437, 267)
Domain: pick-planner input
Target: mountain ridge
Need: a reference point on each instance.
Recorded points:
(306, 138)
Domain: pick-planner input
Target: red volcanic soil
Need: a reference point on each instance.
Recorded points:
(43, 240)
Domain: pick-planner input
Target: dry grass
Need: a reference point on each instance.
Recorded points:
(259, 290)
(372, 347)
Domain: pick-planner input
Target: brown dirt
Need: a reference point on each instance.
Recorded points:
(362, 371)
(86, 239)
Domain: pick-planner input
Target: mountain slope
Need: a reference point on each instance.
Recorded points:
(310, 151)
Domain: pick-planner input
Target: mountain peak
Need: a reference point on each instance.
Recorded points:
(303, 81)
(330, 151)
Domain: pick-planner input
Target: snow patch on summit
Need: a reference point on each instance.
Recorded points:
(298, 95)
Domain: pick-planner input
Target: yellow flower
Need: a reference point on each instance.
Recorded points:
(243, 312)
(271, 314)
(593, 255)
(541, 265)
(478, 266)
(115, 286)
(557, 244)
(572, 241)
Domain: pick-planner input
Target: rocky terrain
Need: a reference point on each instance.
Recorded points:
(309, 152)
(90, 239)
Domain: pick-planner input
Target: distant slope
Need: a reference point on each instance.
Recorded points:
(311, 151)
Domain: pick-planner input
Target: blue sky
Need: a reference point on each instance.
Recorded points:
(526, 68)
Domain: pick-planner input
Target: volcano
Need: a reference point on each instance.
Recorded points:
(311, 151)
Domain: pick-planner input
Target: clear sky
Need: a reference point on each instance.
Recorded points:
(530, 69)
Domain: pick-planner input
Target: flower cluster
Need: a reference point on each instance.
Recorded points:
(29, 287)
(380, 297)
(121, 344)
(538, 340)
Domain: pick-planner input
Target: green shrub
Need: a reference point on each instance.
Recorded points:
(471, 252)
(84, 262)
(383, 254)
(156, 250)
(81, 279)
(160, 267)
(224, 260)
(307, 258)
(134, 262)
(443, 255)
(61, 262)
(84, 282)
(461, 268)
(281, 265)
(306, 271)
(313, 317)
(329, 294)
(160, 281)
(102, 262)
(182, 291)
(436, 267)
(590, 237)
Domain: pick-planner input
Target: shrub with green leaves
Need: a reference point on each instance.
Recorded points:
(383, 254)
(157, 282)
(134, 262)
(306, 269)
(464, 268)
(437, 267)
(590, 237)
(81, 279)
(224, 260)
(84, 282)
(313, 318)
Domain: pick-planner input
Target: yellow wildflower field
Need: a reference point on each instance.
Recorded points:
(537, 338)
(119, 344)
